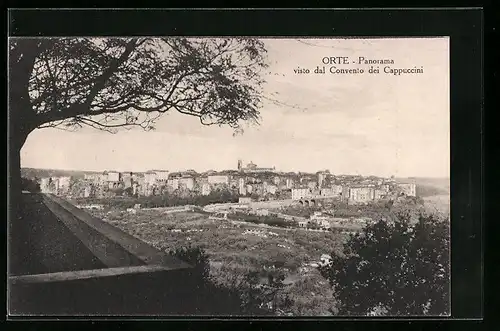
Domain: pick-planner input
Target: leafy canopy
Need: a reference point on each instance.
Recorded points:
(107, 83)
(398, 268)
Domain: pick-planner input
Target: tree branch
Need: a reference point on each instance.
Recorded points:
(116, 79)
(101, 81)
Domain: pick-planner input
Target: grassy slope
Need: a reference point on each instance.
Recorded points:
(233, 253)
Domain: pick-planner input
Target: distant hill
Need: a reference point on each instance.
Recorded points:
(31, 173)
(427, 186)
(438, 203)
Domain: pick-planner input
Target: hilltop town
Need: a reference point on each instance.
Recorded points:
(250, 218)
(248, 182)
(248, 193)
(181, 210)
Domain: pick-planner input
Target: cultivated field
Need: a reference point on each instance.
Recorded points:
(236, 249)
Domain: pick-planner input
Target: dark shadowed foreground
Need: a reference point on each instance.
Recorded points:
(65, 262)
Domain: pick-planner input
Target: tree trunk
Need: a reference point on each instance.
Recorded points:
(18, 135)
(15, 189)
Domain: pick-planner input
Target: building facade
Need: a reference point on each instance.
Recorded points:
(408, 189)
(173, 183)
(252, 167)
(150, 178)
(64, 185)
(321, 178)
(312, 185)
(337, 190)
(45, 185)
(361, 194)
(242, 187)
(162, 175)
(186, 182)
(276, 180)
(206, 189)
(301, 193)
(218, 179)
(244, 200)
(112, 176)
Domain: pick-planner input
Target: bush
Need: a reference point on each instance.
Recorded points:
(395, 269)
(275, 221)
(241, 296)
(166, 200)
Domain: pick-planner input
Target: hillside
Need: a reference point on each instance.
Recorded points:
(438, 203)
(39, 173)
(427, 187)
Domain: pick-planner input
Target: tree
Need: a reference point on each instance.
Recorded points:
(241, 297)
(128, 191)
(398, 268)
(110, 83)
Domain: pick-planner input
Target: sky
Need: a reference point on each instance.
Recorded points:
(367, 124)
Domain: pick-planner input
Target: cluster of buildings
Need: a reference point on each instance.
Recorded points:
(252, 168)
(56, 185)
(351, 189)
(250, 182)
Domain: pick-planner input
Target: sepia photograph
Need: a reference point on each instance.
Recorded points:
(229, 176)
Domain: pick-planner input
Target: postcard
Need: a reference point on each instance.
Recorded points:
(182, 176)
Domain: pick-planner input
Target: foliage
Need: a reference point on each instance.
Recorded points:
(314, 226)
(234, 254)
(398, 268)
(313, 296)
(300, 211)
(76, 187)
(239, 297)
(264, 219)
(111, 83)
(166, 200)
(129, 191)
(108, 83)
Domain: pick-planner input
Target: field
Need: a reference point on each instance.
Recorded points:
(234, 251)
(237, 248)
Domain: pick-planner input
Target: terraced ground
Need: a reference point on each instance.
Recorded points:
(234, 251)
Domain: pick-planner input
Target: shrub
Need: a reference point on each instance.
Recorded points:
(397, 269)
(241, 296)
